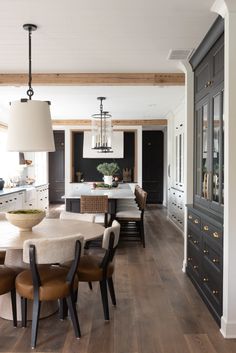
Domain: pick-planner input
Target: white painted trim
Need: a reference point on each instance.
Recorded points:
(228, 328)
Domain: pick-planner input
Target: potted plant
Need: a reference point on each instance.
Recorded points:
(108, 170)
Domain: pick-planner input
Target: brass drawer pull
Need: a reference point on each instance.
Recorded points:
(206, 228)
(190, 258)
(190, 217)
(205, 279)
(189, 236)
(206, 251)
(216, 261)
(195, 267)
(215, 292)
(195, 242)
(196, 221)
(216, 235)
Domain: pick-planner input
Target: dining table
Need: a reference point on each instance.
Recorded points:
(12, 240)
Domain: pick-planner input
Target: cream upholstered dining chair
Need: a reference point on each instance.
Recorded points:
(46, 283)
(96, 205)
(87, 217)
(94, 268)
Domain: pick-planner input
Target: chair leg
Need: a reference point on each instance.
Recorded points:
(111, 290)
(142, 233)
(63, 309)
(103, 287)
(23, 312)
(13, 304)
(90, 285)
(35, 322)
(73, 315)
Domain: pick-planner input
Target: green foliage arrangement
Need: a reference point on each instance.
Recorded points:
(108, 168)
(26, 211)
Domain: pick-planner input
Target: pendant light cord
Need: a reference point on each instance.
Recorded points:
(30, 91)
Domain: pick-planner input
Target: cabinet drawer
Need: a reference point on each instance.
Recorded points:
(212, 232)
(192, 218)
(194, 238)
(212, 287)
(194, 262)
(212, 255)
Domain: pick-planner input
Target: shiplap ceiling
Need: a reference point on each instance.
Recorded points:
(93, 36)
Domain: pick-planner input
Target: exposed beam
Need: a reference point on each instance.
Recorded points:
(133, 122)
(89, 79)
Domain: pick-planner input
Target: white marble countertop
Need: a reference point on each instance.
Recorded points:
(7, 191)
(123, 191)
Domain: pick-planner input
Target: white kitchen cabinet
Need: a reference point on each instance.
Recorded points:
(42, 197)
(11, 201)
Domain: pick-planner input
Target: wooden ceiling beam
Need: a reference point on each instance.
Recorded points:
(90, 79)
(116, 122)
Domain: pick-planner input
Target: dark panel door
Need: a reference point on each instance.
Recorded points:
(57, 169)
(153, 165)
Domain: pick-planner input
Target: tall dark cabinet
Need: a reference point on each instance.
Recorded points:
(205, 216)
(57, 169)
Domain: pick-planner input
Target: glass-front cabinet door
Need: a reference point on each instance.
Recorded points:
(209, 142)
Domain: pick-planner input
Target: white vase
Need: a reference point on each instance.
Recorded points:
(108, 179)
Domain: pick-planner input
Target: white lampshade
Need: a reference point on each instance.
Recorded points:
(30, 127)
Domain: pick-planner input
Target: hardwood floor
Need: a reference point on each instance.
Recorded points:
(158, 310)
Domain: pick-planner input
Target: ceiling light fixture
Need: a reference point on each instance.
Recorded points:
(30, 125)
(102, 130)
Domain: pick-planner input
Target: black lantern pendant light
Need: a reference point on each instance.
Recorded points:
(30, 125)
(102, 130)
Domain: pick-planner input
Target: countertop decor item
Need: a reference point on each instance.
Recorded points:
(30, 125)
(108, 170)
(101, 130)
(25, 220)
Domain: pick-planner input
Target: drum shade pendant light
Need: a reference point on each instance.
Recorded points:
(30, 125)
(102, 130)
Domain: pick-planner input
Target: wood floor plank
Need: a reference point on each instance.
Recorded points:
(199, 343)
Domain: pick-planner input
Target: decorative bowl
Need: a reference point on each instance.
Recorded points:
(25, 220)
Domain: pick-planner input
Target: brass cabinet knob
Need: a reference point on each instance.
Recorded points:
(215, 292)
(206, 228)
(196, 221)
(190, 258)
(195, 242)
(189, 236)
(190, 217)
(215, 261)
(216, 235)
(206, 251)
(195, 267)
(205, 279)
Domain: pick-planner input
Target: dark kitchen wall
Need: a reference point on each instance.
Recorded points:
(88, 166)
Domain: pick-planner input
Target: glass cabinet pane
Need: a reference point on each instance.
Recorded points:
(216, 147)
(204, 161)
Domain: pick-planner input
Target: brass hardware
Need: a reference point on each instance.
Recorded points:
(196, 221)
(215, 261)
(216, 235)
(195, 242)
(195, 267)
(189, 236)
(206, 251)
(190, 217)
(205, 279)
(190, 258)
(206, 228)
(215, 292)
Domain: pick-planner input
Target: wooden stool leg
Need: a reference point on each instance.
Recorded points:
(73, 315)
(35, 322)
(23, 312)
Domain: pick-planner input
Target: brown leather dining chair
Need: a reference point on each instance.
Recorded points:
(49, 282)
(7, 284)
(97, 268)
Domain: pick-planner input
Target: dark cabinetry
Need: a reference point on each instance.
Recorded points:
(205, 216)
